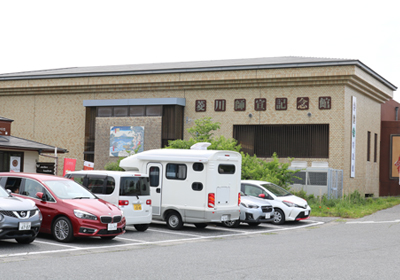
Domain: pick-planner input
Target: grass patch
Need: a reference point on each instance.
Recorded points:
(350, 206)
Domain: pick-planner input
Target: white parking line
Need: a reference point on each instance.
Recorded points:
(374, 222)
(128, 239)
(174, 232)
(157, 242)
(56, 244)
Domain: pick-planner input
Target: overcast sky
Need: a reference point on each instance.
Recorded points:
(37, 35)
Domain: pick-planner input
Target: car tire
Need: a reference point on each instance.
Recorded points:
(253, 224)
(25, 240)
(107, 237)
(174, 221)
(201, 225)
(142, 227)
(279, 217)
(62, 230)
(231, 224)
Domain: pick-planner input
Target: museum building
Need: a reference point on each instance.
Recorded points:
(310, 109)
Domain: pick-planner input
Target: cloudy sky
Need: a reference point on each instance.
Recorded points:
(38, 35)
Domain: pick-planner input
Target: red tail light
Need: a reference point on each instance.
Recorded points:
(211, 200)
(239, 198)
(123, 202)
(148, 202)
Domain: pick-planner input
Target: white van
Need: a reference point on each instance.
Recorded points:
(130, 191)
(191, 186)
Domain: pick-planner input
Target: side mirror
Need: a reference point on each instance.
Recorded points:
(261, 196)
(41, 196)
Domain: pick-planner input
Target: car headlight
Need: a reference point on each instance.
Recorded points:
(290, 204)
(84, 215)
(252, 206)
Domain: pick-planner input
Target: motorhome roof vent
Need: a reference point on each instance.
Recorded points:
(200, 146)
(320, 164)
(299, 164)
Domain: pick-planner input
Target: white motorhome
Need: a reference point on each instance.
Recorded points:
(191, 186)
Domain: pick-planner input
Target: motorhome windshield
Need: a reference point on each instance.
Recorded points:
(134, 186)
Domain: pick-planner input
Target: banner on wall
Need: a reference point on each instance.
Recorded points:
(15, 164)
(69, 165)
(87, 165)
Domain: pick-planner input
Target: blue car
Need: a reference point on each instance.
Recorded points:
(20, 219)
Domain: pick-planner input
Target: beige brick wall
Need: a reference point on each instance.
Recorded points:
(152, 136)
(51, 111)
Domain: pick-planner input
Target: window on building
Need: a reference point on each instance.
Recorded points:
(5, 160)
(368, 146)
(297, 140)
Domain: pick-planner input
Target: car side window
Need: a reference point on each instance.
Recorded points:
(13, 184)
(77, 178)
(95, 184)
(251, 190)
(32, 187)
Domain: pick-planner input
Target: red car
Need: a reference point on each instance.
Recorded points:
(68, 209)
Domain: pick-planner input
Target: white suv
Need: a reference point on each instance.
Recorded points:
(287, 206)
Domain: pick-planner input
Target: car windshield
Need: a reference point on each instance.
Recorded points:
(68, 189)
(276, 190)
(3, 192)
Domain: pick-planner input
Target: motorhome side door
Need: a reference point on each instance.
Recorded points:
(155, 175)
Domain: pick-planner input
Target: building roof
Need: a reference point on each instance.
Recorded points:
(5, 119)
(16, 143)
(192, 66)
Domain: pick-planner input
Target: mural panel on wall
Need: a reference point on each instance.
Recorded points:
(124, 140)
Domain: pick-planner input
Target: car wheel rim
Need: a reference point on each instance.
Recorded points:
(229, 223)
(61, 230)
(278, 217)
(173, 221)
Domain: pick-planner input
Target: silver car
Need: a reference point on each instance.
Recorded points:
(20, 219)
(253, 211)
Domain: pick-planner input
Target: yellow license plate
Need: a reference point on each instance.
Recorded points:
(137, 206)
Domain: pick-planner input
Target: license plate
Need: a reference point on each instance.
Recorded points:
(24, 226)
(112, 226)
(268, 215)
(137, 206)
(306, 213)
(224, 218)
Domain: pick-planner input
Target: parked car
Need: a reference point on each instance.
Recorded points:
(287, 206)
(130, 191)
(253, 211)
(20, 219)
(68, 209)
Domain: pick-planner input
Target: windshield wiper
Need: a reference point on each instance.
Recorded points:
(81, 197)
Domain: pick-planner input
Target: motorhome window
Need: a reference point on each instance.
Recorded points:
(95, 184)
(110, 185)
(198, 166)
(76, 177)
(226, 169)
(154, 173)
(131, 186)
(196, 186)
(176, 171)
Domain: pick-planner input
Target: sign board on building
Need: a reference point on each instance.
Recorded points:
(45, 167)
(5, 128)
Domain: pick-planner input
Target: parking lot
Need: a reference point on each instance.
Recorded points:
(158, 233)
